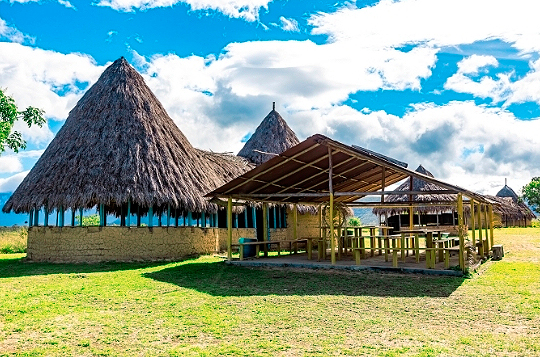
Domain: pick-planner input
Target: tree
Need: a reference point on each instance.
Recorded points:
(9, 114)
(531, 193)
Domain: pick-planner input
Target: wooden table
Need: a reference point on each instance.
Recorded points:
(428, 233)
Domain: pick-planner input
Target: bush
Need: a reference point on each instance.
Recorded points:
(354, 222)
(535, 223)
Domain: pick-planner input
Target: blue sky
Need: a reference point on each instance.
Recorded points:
(453, 85)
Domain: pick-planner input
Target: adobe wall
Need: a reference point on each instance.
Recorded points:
(98, 244)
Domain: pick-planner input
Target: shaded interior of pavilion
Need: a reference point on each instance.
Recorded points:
(329, 175)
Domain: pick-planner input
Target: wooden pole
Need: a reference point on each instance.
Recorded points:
(189, 218)
(229, 229)
(488, 245)
(128, 215)
(265, 221)
(491, 225)
(36, 217)
(61, 219)
(254, 217)
(101, 215)
(150, 216)
(473, 223)
(411, 217)
(461, 229)
(331, 190)
(31, 218)
(168, 214)
(46, 217)
(295, 222)
(73, 217)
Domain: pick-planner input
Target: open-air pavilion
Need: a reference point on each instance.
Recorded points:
(325, 173)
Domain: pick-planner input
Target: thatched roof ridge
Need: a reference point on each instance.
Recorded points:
(272, 136)
(419, 185)
(506, 206)
(507, 191)
(119, 143)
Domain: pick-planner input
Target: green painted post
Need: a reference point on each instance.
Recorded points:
(36, 217)
(189, 218)
(61, 218)
(245, 217)
(128, 216)
(203, 220)
(217, 220)
(236, 220)
(80, 216)
(46, 218)
(168, 214)
(150, 216)
(31, 217)
(254, 217)
(279, 217)
(101, 215)
(275, 218)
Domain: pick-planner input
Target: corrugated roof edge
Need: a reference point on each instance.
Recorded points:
(380, 156)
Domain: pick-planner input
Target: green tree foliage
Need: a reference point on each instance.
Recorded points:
(531, 193)
(354, 222)
(88, 221)
(9, 114)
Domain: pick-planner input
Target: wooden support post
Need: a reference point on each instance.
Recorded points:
(128, 214)
(46, 217)
(138, 216)
(491, 225)
(36, 217)
(480, 240)
(73, 217)
(461, 229)
(279, 217)
(159, 219)
(189, 219)
(274, 211)
(203, 219)
(295, 222)
(101, 215)
(61, 217)
(236, 220)
(229, 229)
(31, 217)
(80, 217)
(254, 217)
(265, 221)
(473, 224)
(245, 217)
(331, 218)
(150, 216)
(488, 246)
(168, 222)
(216, 220)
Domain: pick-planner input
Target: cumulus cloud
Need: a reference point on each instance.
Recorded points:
(65, 3)
(12, 34)
(241, 9)
(10, 164)
(433, 23)
(11, 183)
(290, 25)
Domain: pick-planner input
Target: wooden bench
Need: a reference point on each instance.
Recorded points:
(292, 243)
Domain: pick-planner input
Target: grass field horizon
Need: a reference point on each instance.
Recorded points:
(205, 307)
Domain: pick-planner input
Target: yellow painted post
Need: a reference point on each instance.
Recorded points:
(295, 222)
(265, 221)
(491, 225)
(332, 233)
(473, 223)
(488, 246)
(229, 229)
(460, 231)
(480, 240)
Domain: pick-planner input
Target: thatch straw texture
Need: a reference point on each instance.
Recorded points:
(272, 136)
(119, 144)
(419, 185)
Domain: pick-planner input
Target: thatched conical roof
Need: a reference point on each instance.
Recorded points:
(272, 136)
(509, 204)
(119, 144)
(419, 185)
(506, 191)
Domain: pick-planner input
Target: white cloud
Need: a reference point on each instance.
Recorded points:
(290, 25)
(10, 163)
(11, 183)
(241, 9)
(472, 64)
(433, 23)
(65, 3)
(12, 34)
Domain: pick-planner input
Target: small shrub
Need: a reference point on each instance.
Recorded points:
(354, 222)
(535, 223)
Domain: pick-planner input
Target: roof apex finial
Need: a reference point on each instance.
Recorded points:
(273, 105)
(505, 181)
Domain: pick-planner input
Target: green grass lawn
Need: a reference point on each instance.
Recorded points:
(203, 307)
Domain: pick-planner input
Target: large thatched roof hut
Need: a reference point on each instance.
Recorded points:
(119, 146)
(272, 137)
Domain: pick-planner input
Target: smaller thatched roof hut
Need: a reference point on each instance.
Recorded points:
(272, 137)
(419, 185)
(509, 207)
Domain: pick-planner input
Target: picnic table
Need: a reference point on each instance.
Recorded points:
(293, 243)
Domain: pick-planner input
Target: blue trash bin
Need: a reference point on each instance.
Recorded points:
(249, 250)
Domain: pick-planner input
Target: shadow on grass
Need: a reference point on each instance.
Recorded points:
(220, 279)
(17, 267)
